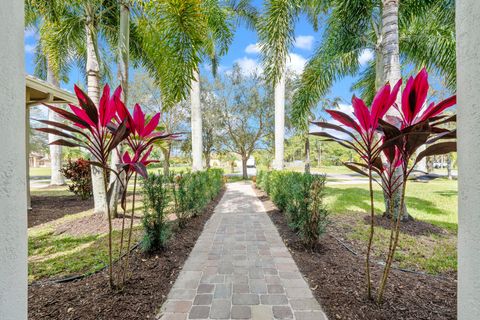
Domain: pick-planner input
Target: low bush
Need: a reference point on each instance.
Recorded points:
(193, 191)
(155, 223)
(301, 197)
(79, 173)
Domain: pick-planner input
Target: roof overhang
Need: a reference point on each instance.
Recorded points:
(39, 91)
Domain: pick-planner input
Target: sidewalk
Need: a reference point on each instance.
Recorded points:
(240, 269)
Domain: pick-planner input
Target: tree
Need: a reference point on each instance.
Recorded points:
(420, 32)
(276, 31)
(40, 15)
(245, 113)
(74, 33)
(174, 119)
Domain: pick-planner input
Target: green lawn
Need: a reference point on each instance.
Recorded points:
(58, 256)
(434, 202)
(40, 172)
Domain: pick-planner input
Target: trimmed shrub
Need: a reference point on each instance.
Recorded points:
(301, 197)
(156, 198)
(78, 171)
(193, 191)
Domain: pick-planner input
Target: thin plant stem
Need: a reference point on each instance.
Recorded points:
(110, 259)
(124, 208)
(391, 254)
(370, 238)
(127, 260)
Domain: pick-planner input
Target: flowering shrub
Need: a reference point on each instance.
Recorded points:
(79, 173)
(388, 145)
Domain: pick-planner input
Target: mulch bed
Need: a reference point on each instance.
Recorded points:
(412, 227)
(94, 224)
(48, 208)
(152, 277)
(336, 277)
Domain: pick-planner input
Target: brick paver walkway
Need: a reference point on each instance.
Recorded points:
(240, 269)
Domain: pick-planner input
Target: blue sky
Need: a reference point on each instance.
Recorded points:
(243, 51)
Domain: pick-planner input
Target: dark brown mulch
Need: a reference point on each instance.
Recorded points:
(411, 227)
(94, 224)
(336, 277)
(48, 208)
(152, 277)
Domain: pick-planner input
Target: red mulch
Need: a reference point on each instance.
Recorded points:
(152, 277)
(48, 208)
(336, 277)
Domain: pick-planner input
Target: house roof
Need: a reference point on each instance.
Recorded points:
(39, 91)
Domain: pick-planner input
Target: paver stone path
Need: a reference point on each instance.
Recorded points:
(240, 269)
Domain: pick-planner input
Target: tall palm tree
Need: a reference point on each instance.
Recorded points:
(419, 32)
(76, 33)
(276, 31)
(40, 15)
(180, 35)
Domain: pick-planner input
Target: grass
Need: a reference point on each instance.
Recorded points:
(434, 202)
(40, 172)
(59, 256)
(430, 253)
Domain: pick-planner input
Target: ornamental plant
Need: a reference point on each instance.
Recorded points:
(100, 130)
(389, 144)
(80, 176)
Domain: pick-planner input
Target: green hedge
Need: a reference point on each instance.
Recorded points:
(301, 197)
(187, 193)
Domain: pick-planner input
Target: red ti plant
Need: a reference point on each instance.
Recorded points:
(365, 142)
(398, 139)
(418, 125)
(140, 142)
(89, 128)
(100, 129)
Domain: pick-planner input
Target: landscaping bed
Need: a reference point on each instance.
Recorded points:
(152, 276)
(336, 276)
(46, 208)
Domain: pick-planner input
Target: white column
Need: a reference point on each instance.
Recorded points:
(13, 193)
(468, 84)
(278, 162)
(196, 120)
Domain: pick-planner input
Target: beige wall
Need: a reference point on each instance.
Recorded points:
(13, 212)
(468, 91)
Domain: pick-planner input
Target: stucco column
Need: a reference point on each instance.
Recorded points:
(468, 84)
(13, 192)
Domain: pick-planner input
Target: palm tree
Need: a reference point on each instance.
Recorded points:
(276, 32)
(39, 15)
(420, 32)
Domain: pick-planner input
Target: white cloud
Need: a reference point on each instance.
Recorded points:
(253, 48)
(29, 48)
(365, 56)
(304, 42)
(29, 33)
(296, 62)
(249, 66)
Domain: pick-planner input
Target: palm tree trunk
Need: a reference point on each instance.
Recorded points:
(307, 154)
(123, 57)
(56, 178)
(392, 73)
(93, 89)
(196, 119)
(449, 166)
(279, 123)
(166, 160)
